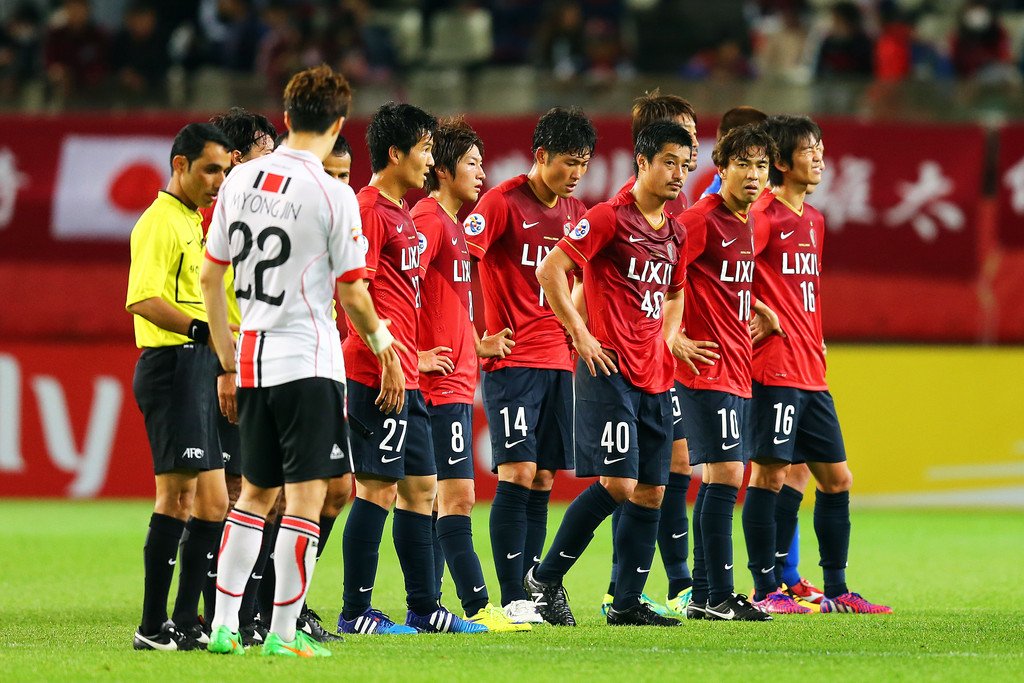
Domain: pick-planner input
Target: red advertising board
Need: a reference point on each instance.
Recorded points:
(1010, 186)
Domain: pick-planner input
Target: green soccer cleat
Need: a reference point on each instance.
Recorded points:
(224, 642)
(302, 646)
(677, 606)
(606, 604)
(656, 607)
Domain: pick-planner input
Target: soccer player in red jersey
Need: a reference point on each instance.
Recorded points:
(715, 396)
(794, 414)
(448, 381)
(673, 528)
(338, 163)
(391, 442)
(631, 252)
(528, 393)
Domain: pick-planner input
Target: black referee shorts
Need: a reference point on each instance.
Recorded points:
(173, 388)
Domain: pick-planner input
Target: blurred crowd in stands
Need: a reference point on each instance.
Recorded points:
(77, 52)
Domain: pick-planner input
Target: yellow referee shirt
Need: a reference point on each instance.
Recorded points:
(167, 252)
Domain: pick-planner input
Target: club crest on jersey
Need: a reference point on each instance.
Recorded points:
(581, 230)
(474, 224)
(422, 241)
(671, 249)
(814, 238)
(362, 242)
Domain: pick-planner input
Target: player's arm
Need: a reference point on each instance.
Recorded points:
(685, 349)
(552, 273)
(162, 314)
(355, 299)
(211, 280)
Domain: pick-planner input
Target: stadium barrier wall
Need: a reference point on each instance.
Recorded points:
(924, 426)
(914, 252)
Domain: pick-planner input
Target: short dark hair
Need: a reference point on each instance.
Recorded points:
(452, 139)
(191, 141)
(788, 132)
(738, 141)
(315, 98)
(396, 125)
(565, 131)
(655, 136)
(341, 147)
(243, 128)
(653, 106)
(740, 116)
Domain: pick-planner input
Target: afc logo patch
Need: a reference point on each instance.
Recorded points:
(474, 224)
(362, 243)
(422, 242)
(581, 230)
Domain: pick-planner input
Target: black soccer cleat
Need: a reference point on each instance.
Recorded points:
(199, 631)
(168, 638)
(309, 623)
(253, 633)
(551, 600)
(736, 608)
(639, 614)
(697, 610)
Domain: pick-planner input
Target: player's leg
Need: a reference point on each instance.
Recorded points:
(258, 602)
(512, 407)
(231, 450)
(378, 451)
(637, 534)
(787, 539)
(673, 527)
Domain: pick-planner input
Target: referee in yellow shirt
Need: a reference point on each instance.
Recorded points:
(174, 389)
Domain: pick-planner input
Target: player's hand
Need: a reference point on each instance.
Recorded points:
(691, 352)
(763, 324)
(495, 345)
(226, 392)
(392, 383)
(433, 361)
(824, 348)
(594, 355)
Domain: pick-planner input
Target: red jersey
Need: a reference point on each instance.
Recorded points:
(511, 231)
(393, 263)
(447, 314)
(628, 266)
(720, 271)
(674, 207)
(787, 246)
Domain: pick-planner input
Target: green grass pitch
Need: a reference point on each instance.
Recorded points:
(71, 590)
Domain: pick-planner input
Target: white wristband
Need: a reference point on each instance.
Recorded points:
(380, 340)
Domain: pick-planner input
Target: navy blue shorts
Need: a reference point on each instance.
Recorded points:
(451, 426)
(293, 432)
(717, 425)
(796, 425)
(529, 411)
(390, 446)
(176, 390)
(621, 431)
(678, 431)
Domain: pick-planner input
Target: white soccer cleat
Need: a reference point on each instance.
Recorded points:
(523, 612)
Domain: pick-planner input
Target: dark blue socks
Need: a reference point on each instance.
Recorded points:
(455, 535)
(634, 544)
(759, 533)
(832, 526)
(360, 545)
(574, 534)
(414, 544)
(716, 528)
(508, 538)
(673, 534)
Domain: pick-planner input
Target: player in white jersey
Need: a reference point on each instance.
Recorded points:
(291, 233)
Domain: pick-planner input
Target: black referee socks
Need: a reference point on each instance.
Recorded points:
(159, 556)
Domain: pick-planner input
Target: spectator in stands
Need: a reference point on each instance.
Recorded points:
(244, 31)
(140, 59)
(20, 46)
(780, 44)
(726, 61)
(981, 45)
(561, 41)
(280, 50)
(894, 47)
(75, 53)
(847, 50)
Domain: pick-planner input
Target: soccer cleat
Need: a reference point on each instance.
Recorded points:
(497, 621)
(697, 610)
(523, 612)
(852, 603)
(442, 621)
(224, 642)
(780, 603)
(302, 646)
(806, 591)
(641, 614)
(736, 608)
(253, 633)
(551, 599)
(606, 604)
(199, 631)
(309, 623)
(676, 606)
(168, 638)
(373, 621)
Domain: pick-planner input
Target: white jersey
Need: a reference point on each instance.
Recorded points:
(290, 231)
